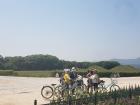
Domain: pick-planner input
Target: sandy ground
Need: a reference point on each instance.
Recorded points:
(24, 90)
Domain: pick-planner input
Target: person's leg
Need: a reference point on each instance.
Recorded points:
(73, 86)
(88, 88)
(65, 87)
(88, 85)
(95, 86)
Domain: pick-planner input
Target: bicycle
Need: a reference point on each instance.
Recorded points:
(111, 87)
(76, 88)
(48, 92)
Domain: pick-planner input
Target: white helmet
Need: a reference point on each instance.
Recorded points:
(66, 70)
(73, 68)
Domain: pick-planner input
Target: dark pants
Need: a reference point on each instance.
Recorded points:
(95, 86)
(90, 85)
(66, 86)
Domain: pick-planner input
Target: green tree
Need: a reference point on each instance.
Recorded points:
(1, 62)
(107, 64)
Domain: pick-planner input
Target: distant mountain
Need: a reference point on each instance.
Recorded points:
(132, 62)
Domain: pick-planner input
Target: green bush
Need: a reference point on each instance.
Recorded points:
(134, 74)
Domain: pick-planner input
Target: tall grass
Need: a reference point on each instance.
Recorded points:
(6, 72)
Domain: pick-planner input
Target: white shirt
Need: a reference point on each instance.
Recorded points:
(94, 78)
(79, 77)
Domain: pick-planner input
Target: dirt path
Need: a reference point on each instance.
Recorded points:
(24, 90)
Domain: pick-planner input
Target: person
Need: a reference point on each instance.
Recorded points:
(88, 80)
(94, 79)
(118, 75)
(88, 74)
(73, 76)
(62, 79)
(73, 73)
(57, 75)
(67, 78)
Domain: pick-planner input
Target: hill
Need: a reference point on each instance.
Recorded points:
(121, 68)
(124, 68)
(98, 68)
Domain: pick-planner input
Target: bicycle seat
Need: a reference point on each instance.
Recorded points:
(53, 84)
(102, 81)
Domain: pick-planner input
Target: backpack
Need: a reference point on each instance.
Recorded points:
(73, 75)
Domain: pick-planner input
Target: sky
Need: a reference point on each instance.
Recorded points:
(75, 30)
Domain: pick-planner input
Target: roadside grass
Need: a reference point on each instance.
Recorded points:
(36, 73)
(6, 72)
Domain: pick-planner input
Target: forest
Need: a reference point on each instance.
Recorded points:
(47, 62)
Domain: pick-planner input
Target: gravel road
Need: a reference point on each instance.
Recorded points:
(24, 90)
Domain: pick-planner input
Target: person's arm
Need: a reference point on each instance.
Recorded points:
(88, 75)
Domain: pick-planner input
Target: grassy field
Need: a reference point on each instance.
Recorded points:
(124, 70)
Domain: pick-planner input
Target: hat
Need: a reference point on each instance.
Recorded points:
(66, 70)
(94, 70)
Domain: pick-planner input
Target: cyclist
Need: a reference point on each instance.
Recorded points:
(67, 79)
(94, 79)
(73, 76)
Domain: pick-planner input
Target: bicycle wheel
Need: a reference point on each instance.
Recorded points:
(47, 92)
(61, 91)
(100, 88)
(114, 87)
(58, 91)
(78, 91)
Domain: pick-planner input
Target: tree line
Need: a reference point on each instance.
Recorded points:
(47, 62)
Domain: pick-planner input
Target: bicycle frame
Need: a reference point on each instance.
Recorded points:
(109, 85)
